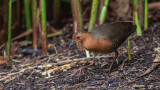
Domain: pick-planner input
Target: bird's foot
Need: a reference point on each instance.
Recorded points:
(76, 71)
(80, 69)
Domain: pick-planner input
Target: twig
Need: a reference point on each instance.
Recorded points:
(27, 32)
(4, 78)
(66, 66)
(11, 78)
(54, 34)
(30, 74)
(122, 66)
(55, 49)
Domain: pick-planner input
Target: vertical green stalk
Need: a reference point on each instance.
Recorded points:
(28, 18)
(135, 4)
(139, 31)
(129, 50)
(146, 15)
(103, 12)
(80, 15)
(34, 22)
(93, 14)
(9, 29)
(44, 21)
(44, 27)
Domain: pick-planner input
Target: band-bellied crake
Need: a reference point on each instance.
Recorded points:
(105, 38)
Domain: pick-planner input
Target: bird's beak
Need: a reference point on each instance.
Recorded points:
(72, 43)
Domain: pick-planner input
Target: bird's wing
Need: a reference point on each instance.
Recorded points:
(116, 32)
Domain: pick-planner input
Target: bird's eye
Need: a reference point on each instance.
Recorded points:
(78, 37)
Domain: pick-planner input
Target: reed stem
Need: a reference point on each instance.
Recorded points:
(9, 29)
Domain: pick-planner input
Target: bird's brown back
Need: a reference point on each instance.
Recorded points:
(116, 32)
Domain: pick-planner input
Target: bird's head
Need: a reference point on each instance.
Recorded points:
(78, 37)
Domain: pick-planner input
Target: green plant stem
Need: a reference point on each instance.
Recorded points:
(28, 17)
(93, 14)
(9, 29)
(103, 12)
(54, 34)
(146, 15)
(44, 28)
(44, 22)
(135, 4)
(139, 31)
(129, 51)
(34, 22)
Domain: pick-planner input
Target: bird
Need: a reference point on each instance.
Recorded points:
(105, 38)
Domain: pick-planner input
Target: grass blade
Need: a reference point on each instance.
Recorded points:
(129, 51)
(146, 15)
(103, 12)
(28, 17)
(139, 31)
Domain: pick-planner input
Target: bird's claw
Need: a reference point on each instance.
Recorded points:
(80, 69)
(75, 72)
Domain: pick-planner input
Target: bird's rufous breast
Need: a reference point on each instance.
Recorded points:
(101, 45)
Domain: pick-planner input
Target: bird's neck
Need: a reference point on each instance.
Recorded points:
(89, 39)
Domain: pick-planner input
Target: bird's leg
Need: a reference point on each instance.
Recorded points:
(82, 68)
(108, 70)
